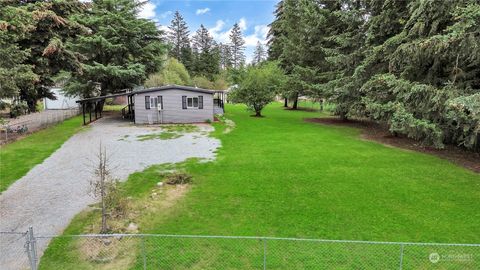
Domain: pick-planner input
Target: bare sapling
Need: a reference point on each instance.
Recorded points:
(104, 187)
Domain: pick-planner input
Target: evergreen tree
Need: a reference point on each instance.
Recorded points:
(276, 33)
(119, 51)
(15, 72)
(299, 45)
(412, 65)
(41, 47)
(259, 54)
(179, 40)
(237, 44)
(225, 56)
(206, 53)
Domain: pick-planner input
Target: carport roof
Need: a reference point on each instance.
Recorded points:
(153, 89)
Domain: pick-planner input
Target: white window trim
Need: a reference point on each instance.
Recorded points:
(152, 102)
(192, 107)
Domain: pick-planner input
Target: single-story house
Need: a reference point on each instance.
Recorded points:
(165, 104)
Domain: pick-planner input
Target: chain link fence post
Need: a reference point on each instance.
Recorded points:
(144, 255)
(31, 249)
(264, 240)
(401, 256)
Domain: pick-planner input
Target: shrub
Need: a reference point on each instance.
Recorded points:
(18, 108)
(173, 72)
(3, 105)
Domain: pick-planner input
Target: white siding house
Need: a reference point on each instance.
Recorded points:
(174, 104)
(161, 105)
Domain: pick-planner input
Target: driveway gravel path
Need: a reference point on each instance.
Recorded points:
(50, 195)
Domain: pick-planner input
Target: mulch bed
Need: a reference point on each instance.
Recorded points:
(379, 133)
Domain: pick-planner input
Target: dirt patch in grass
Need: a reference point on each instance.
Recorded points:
(109, 252)
(376, 132)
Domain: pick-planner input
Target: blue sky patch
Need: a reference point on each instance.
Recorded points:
(217, 16)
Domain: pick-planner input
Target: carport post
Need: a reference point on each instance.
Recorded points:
(83, 112)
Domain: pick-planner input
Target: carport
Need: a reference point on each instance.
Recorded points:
(92, 108)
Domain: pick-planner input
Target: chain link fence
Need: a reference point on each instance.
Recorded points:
(149, 251)
(26, 124)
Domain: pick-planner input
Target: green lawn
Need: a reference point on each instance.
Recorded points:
(281, 176)
(17, 158)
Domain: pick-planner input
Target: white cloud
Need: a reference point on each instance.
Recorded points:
(164, 28)
(166, 14)
(202, 11)
(147, 11)
(224, 36)
(260, 34)
(217, 33)
(218, 26)
(243, 24)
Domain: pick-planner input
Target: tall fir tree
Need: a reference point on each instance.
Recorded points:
(411, 65)
(110, 59)
(259, 54)
(237, 44)
(206, 53)
(276, 33)
(178, 37)
(225, 56)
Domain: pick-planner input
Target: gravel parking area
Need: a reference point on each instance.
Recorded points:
(50, 195)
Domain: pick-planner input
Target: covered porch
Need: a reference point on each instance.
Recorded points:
(219, 99)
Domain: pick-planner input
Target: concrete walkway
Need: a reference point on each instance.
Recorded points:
(50, 195)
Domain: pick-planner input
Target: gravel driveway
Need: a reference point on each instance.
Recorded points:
(50, 195)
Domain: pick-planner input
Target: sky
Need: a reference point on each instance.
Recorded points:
(253, 17)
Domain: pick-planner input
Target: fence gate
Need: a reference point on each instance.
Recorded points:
(18, 250)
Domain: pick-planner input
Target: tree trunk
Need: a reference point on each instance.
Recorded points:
(295, 102)
(343, 116)
(32, 105)
(321, 105)
(258, 113)
(285, 104)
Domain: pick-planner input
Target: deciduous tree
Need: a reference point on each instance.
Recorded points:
(258, 86)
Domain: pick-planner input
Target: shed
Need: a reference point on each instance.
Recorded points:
(61, 103)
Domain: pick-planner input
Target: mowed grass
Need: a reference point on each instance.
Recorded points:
(17, 158)
(280, 176)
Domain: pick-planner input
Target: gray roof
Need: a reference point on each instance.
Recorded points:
(153, 89)
(179, 87)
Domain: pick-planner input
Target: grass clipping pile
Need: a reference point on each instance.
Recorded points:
(126, 212)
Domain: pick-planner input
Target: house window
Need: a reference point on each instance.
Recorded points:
(192, 102)
(153, 102)
(147, 102)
